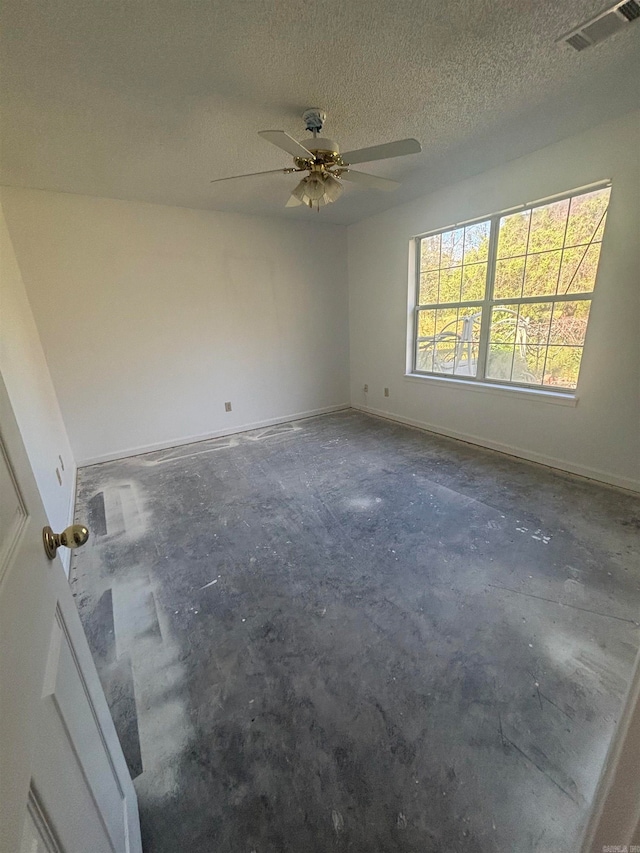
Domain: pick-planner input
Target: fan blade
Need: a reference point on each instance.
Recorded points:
(293, 202)
(381, 152)
(366, 180)
(253, 175)
(286, 142)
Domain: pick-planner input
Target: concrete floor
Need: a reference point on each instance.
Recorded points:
(344, 634)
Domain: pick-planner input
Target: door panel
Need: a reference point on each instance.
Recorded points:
(73, 742)
(64, 785)
(37, 836)
(13, 513)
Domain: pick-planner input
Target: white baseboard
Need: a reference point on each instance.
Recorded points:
(220, 433)
(520, 453)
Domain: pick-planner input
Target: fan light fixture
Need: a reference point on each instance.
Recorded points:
(316, 190)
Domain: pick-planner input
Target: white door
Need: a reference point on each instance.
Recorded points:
(64, 784)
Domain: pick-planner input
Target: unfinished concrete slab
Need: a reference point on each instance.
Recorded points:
(345, 634)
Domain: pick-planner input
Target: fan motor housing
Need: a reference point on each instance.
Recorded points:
(325, 151)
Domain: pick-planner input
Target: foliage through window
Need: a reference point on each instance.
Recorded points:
(507, 300)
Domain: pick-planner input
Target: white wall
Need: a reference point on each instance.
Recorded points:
(600, 437)
(152, 317)
(33, 399)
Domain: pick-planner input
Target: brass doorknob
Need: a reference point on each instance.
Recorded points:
(73, 536)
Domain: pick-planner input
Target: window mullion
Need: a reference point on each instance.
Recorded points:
(485, 325)
(416, 311)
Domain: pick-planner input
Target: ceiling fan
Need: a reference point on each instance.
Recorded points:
(326, 168)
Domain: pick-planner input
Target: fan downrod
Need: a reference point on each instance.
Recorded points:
(314, 119)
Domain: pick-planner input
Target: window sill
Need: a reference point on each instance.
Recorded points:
(556, 398)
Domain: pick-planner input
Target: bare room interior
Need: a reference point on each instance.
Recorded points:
(320, 427)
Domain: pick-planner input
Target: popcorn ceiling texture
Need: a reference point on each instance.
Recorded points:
(150, 101)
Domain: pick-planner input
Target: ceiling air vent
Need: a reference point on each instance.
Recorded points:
(630, 9)
(578, 41)
(602, 26)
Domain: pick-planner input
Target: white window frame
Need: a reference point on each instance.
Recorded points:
(486, 304)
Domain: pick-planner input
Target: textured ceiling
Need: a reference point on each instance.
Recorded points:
(150, 100)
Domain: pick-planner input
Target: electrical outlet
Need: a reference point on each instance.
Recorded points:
(227, 407)
(386, 392)
(366, 389)
(59, 476)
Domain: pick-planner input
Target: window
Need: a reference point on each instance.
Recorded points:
(506, 300)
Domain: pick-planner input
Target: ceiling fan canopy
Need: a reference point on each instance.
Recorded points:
(320, 157)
